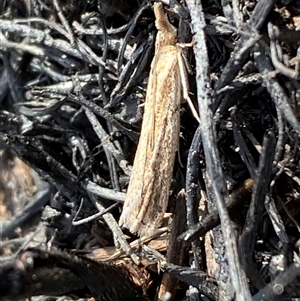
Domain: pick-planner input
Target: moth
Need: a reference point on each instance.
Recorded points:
(149, 185)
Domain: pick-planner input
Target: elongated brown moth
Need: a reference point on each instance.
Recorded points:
(149, 186)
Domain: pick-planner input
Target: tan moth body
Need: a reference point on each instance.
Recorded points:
(149, 186)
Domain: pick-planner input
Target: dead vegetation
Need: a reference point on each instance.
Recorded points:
(73, 81)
